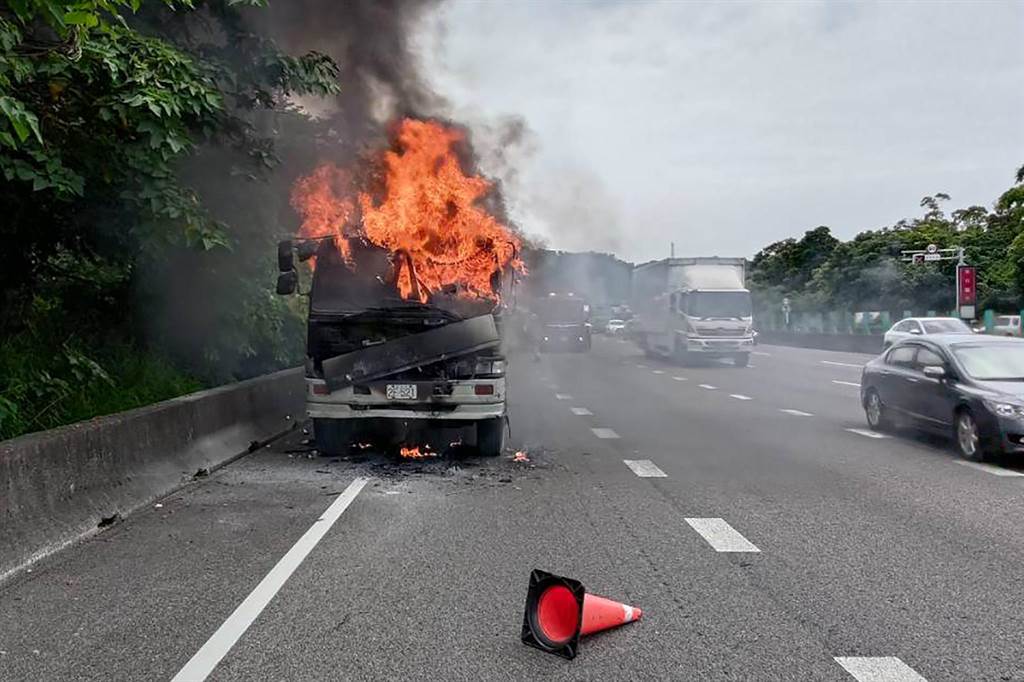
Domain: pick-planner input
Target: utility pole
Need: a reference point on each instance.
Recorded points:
(671, 249)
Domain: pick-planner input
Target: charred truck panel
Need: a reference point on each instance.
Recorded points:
(689, 308)
(388, 370)
(562, 322)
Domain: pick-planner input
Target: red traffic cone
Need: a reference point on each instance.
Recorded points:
(559, 611)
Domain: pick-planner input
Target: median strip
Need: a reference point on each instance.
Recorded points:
(878, 669)
(644, 468)
(721, 536)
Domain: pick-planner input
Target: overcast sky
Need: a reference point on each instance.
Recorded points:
(726, 126)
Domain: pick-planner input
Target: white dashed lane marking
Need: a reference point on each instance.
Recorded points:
(720, 535)
(797, 413)
(641, 366)
(644, 468)
(990, 469)
(708, 386)
(739, 396)
(840, 364)
(563, 396)
(604, 433)
(867, 434)
(878, 669)
(581, 411)
(846, 383)
(679, 378)
(657, 371)
(763, 355)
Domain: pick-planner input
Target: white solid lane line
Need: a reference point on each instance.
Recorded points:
(763, 355)
(581, 411)
(211, 653)
(722, 536)
(739, 396)
(878, 669)
(657, 371)
(563, 396)
(846, 383)
(990, 469)
(644, 468)
(868, 434)
(841, 364)
(797, 413)
(604, 433)
(708, 386)
(679, 378)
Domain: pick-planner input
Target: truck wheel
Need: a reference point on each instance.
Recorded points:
(741, 359)
(681, 355)
(333, 436)
(490, 437)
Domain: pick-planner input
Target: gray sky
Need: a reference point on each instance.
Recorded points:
(727, 126)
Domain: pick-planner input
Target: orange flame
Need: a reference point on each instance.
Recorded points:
(415, 453)
(428, 208)
(520, 456)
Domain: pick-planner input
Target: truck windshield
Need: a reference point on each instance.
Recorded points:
(719, 304)
(563, 311)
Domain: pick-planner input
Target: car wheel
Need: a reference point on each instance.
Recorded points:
(874, 410)
(968, 438)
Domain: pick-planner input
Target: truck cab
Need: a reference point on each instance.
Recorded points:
(562, 321)
(388, 370)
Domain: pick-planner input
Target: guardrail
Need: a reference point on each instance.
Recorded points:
(56, 486)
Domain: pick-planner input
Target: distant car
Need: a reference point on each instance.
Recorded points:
(615, 326)
(970, 387)
(1006, 325)
(912, 327)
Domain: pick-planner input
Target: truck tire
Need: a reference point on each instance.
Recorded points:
(490, 437)
(741, 359)
(681, 355)
(333, 436)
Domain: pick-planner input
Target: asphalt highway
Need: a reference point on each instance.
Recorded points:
(763, 530)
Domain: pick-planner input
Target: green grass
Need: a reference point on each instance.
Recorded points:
(43, 386)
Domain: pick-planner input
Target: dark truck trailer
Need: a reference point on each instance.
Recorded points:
(562, 322)
(391, 371)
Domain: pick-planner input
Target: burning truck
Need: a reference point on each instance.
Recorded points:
(406, 307)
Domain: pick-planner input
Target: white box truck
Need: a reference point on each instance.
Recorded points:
(689, 308)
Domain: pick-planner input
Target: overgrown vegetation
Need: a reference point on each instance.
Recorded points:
(137, 237)
(820, 273)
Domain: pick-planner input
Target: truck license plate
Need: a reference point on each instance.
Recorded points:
(401, 391)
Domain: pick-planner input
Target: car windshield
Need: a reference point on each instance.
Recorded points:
(946, 327)
(616, 322)
(1000, 362)
(563, 311)
(730, 304)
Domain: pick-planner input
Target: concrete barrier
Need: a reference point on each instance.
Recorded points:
(851, 343)
(56, 486)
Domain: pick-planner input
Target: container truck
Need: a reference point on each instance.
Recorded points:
(690, 308)
(561, 321)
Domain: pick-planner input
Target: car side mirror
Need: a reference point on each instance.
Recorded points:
(287, 283)
(935, 371)
(285, 257)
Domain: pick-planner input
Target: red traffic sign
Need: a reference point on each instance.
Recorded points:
(967, 291)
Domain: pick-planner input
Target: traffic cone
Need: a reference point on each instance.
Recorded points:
(559, 611)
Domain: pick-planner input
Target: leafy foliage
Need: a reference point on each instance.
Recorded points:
(820, 273)
(115, 250)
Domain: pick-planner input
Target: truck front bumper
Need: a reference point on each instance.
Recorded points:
(720, 346)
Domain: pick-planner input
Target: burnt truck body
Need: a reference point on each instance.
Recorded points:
(562, 321)
(390, 370)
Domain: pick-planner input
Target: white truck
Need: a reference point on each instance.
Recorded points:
(690, 308)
